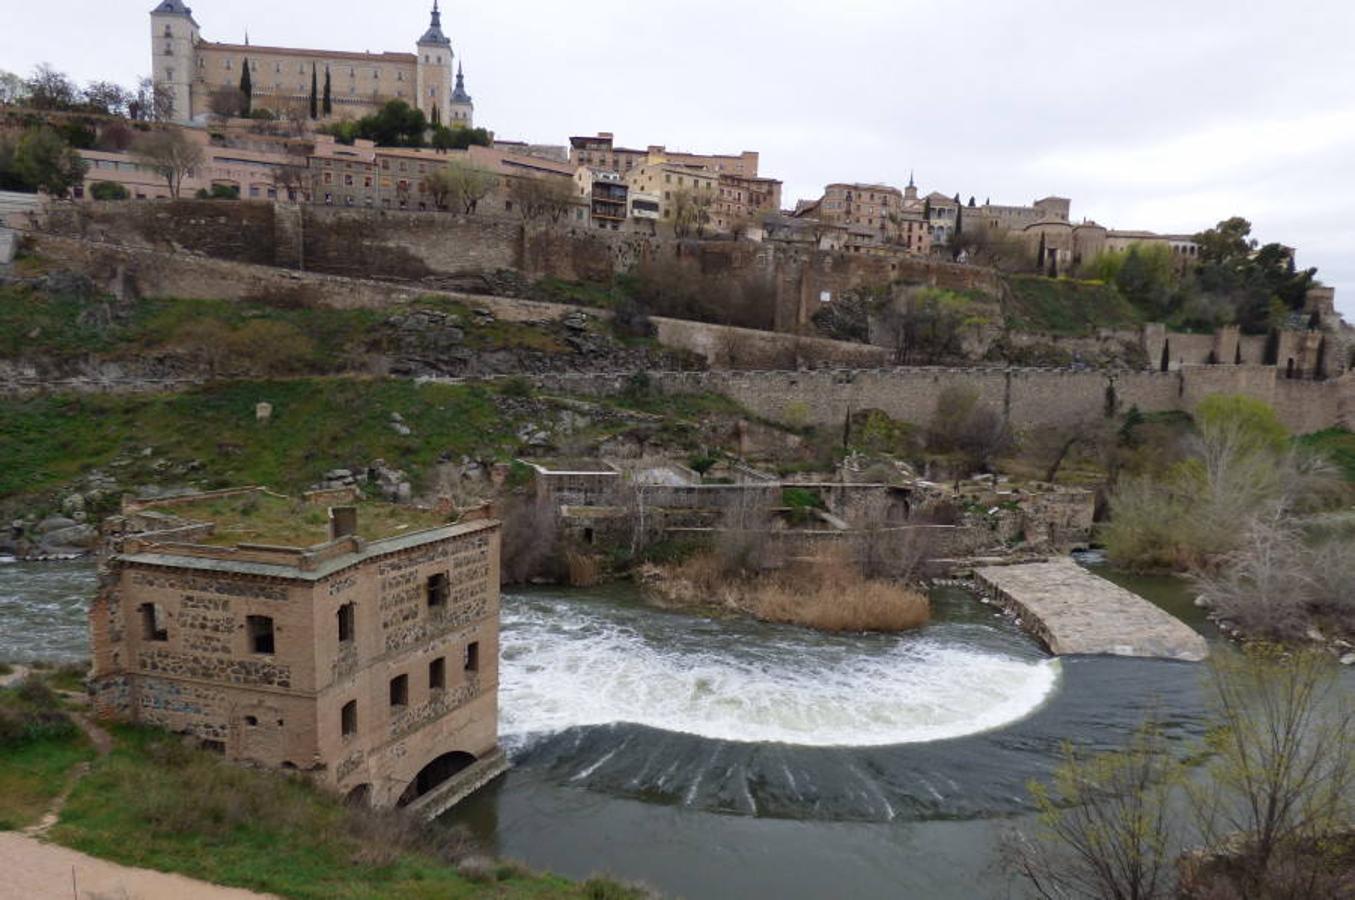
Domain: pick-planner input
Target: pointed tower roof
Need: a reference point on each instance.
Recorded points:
(434, 33)
(459, 95)
(911, 184)
(173, 8)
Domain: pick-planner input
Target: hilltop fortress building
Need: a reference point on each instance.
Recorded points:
(192, 69)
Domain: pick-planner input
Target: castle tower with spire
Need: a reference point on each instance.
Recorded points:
(462, 107)
(435, 72)
(190, 70)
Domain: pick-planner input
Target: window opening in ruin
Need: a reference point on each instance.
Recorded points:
(153, 626)
(437, 674)
(348, 718)
(214, 746)
(400, 691)
(260, 630)
(473, 656)
(346, 620)
(439, 589)
(252, 721)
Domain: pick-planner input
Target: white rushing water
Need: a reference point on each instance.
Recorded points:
(566, 665)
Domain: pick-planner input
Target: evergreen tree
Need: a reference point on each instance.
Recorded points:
(329, 97)
(315, 85)
(246, 90)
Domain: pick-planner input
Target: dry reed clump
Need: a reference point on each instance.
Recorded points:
(829, 593)
(582, 569)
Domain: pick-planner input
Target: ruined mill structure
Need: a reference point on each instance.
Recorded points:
(367, 658)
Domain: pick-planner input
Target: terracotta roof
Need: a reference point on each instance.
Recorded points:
(322, 54)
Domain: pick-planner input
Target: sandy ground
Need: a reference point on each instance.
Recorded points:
(33, 870)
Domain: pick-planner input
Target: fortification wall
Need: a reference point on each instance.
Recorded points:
(1031, 398)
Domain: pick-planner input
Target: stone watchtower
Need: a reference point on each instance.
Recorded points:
(174, 40)
(435, 72)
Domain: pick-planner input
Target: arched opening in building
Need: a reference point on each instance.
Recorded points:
(435, 774)
(1289, 368)
(359, 797)
(1167, 356)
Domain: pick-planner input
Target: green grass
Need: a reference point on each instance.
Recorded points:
(153, 803)
(317, 424)
(1067, 307)
(33, 773)
(39, 745)
(256, 518)
(1337, 444)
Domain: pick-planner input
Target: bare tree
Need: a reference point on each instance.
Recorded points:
(226, 102)
(289, 181)
(152, 102)
(49, 89)
(107, 97)
(691, 212)
(460, 185)
(1105, 826)
(171, 154)
(541, 197)
(962, 424)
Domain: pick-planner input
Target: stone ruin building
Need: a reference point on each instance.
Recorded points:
(364, 657)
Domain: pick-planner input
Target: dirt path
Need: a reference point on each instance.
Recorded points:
(19, 674)
(37, 871)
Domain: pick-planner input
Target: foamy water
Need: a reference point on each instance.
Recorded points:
(566, 665)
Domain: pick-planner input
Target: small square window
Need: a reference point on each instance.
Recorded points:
(473, 656)
(399, 691)
(437, 674)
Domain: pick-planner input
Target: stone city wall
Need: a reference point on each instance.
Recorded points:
(1030, 398)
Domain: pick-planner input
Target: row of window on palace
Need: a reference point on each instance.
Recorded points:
(399, 687)
(229, 65)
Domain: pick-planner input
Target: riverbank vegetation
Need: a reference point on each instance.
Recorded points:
(153, 802)
(1249, 512)
(830, 593)
(1268, 797)
(39, 745)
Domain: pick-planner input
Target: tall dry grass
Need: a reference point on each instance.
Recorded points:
(830, 593)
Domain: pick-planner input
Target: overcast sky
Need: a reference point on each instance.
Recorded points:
(1160, 114)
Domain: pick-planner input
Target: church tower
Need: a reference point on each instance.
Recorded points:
(174, 39)
(435, 72)
(463, 108)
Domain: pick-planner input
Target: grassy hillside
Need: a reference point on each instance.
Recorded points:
(1067, 307)
(1337, 444)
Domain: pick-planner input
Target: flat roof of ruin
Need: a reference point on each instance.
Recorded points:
(261, 517)
(169, 559)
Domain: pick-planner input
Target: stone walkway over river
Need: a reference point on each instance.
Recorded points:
(1074, 612)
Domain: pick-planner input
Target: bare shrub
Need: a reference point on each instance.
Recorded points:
(1281, 781)
(1105, 826)
(965, 426)
(478, 870)
(1265, 585)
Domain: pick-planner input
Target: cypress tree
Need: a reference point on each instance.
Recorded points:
(246, 89)
(329, 97)
(315, 83)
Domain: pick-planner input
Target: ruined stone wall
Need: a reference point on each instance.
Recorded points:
(203, 678)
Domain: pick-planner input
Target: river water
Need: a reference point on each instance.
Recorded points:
(731, 759)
